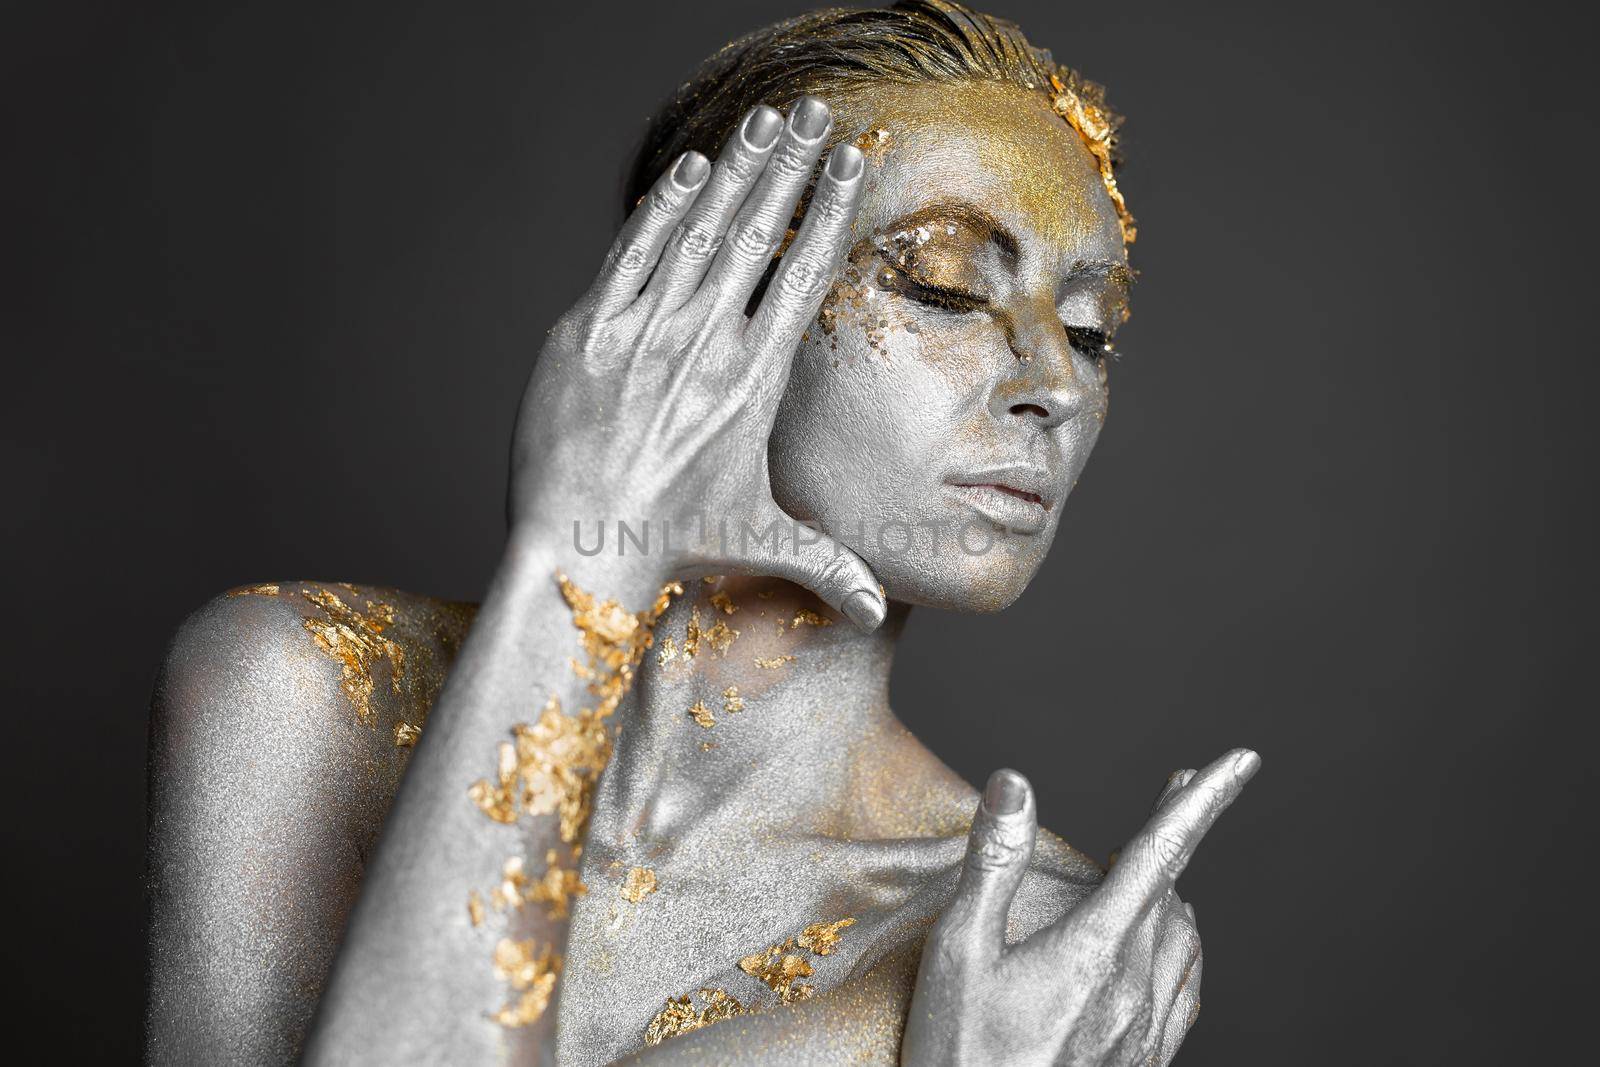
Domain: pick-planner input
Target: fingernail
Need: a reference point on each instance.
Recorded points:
(864, 609)
(691, 170)
(1006, 792)
(1245, 767)
(1189, 908)
(844, 163)
(810, 118)
(761, 129)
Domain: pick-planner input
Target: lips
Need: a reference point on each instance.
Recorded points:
(1016, 498)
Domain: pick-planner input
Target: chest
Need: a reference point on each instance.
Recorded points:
(672, 939)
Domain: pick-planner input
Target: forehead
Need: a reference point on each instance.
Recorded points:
(993, 144)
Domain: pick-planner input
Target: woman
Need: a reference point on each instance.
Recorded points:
(770, 864)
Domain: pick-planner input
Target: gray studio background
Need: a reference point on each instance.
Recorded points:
(282, 271)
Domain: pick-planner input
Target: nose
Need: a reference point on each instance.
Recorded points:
(1050, 384)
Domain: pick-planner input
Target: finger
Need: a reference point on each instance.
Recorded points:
(692, 245)
(1152, 861)
(1174, 964)
(785, 548)
(807, 270)
(1185, 1010)
(998, 850)
(757, 230)
(634, 253)
(1175, 781)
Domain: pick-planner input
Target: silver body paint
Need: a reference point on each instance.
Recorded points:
(809, 804)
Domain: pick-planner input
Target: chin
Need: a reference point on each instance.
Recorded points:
(981, 584)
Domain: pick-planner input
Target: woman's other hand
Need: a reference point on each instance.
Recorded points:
(1115, 981)
(654, 396)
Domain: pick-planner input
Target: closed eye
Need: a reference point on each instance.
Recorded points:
(946, 298)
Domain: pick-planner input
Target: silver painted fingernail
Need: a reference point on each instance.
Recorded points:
(1006, 792)
(810, 118)
(691, 170)
(844, 163)
(761, 129)
(1245, 767)
(864, 609)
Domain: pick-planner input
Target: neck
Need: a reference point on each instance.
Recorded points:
(754, 690)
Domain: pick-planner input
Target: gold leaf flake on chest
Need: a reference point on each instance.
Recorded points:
(639, 883)
(681, 1017)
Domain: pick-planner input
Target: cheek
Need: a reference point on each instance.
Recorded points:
(870, 408)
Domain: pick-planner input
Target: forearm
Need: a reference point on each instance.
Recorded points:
(417, 971)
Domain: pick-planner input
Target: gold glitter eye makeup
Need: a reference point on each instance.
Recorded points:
(1091, 342)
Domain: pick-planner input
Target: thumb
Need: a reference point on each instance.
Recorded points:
(998, 851)
(837, 575)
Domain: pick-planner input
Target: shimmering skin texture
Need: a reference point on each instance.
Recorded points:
(807, 822)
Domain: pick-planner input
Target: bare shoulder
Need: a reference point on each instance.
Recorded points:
(903, 789)
(280, 724)
(383, 650)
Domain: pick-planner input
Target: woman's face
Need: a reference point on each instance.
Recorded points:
(943, 405)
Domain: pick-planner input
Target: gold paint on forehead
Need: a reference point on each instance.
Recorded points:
(1033, 165)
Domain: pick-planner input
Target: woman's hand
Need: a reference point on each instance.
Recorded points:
(1115, 981)
(654, 397)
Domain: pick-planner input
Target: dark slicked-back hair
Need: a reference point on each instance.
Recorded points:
(839, 50)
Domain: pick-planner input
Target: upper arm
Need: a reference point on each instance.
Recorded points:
(264, 795)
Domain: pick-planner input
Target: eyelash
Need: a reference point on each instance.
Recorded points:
(1091, 343)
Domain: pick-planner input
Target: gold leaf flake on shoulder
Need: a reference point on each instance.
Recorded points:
(405, 735)
(702, 715)
(681, 1017)
(731, 700)
(264, 589)
(772, 663)
(354, 639)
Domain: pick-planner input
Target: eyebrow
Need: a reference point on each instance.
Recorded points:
(962, 211)
(965, 211)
